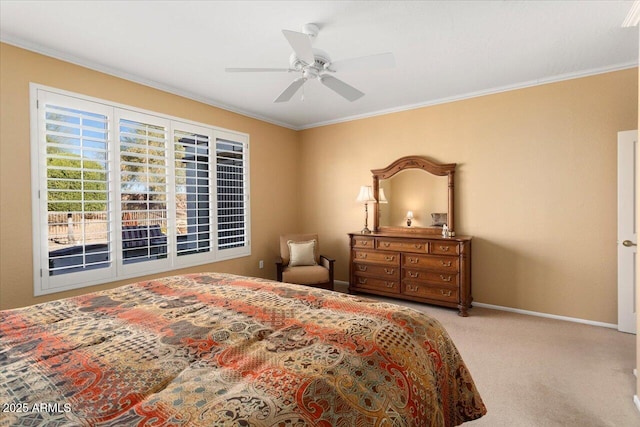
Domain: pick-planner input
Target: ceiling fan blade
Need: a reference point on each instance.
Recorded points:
(254, 70)
(341, 88)
(379, 61)
(301, 45)
(290, 90)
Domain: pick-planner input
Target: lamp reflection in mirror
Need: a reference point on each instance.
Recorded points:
(381, 197)
(409, 218)
(365, 196)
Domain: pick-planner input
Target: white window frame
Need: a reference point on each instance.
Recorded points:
(47, 284)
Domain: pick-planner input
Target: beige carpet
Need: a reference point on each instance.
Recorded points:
(537, 372)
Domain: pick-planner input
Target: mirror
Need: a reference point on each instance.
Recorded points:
(417, 192)
(414, 187)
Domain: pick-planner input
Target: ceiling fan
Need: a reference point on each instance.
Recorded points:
(313, 63)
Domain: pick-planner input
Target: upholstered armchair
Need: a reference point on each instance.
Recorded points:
(300, 262)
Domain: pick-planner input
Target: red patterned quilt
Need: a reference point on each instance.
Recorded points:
(223, 350)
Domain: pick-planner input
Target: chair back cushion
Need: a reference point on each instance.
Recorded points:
(284, 246)
(302, 253)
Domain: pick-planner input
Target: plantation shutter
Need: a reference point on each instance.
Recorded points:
(143, 188)
(121, 192)
(193, 192)
(232, 195)
(77, 189)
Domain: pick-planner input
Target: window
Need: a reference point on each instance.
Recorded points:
(122, 192)
(232, 199)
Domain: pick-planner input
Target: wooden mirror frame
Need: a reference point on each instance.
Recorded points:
(415, 162)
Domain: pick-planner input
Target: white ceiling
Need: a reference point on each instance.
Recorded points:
(444, 50)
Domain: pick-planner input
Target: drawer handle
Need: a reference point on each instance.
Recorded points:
(362, 255)
(390, 284)
(389, 258)
(446, 264)
(386, 244)
(364, 243)
(417, 246)
(444, 248)
(362, 280)
(414, 275)
(389, 270)
(413, 260)
(445, 278)
(413, 288)
(362, 267)
(446, 294)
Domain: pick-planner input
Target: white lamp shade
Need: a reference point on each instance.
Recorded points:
(381, 197)
(409, 214)
(366, 194)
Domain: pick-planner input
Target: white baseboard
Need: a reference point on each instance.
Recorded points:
(547, 315)
(636, 400)
(527, 312)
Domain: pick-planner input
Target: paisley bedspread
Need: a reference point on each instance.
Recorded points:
(222, 350)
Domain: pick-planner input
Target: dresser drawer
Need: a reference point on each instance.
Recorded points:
(444, 248)
(387, 258)
(423, 290)
(431, 262)
(430, 277)
(382, 271)
(373, 283)
(419, 246)
(362, 242)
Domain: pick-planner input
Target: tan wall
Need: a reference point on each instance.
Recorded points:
(536, 181)
(274, 152)
(535, 186)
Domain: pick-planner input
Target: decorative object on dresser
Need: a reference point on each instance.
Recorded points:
(366, 196)
(300, 262)
(409, 218)
(425, 264)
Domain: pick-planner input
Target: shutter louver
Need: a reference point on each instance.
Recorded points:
(143, 191)
(232, 194)
(78, 208)
(193, 193)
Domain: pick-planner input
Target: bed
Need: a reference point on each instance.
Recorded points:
(216, 349)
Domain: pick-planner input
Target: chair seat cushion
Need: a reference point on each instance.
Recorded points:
(306, 274)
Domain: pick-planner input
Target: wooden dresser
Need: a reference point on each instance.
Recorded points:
(417, 267)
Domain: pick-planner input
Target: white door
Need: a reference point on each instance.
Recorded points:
(627, 234)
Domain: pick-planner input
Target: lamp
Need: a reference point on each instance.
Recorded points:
(365, 196)
(381, 197)
(409, 218)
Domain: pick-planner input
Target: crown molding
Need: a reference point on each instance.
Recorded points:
(63, 56)
(469, 95)
(4, 38)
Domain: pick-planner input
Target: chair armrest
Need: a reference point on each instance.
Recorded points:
(279, 268)
(328, 263)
